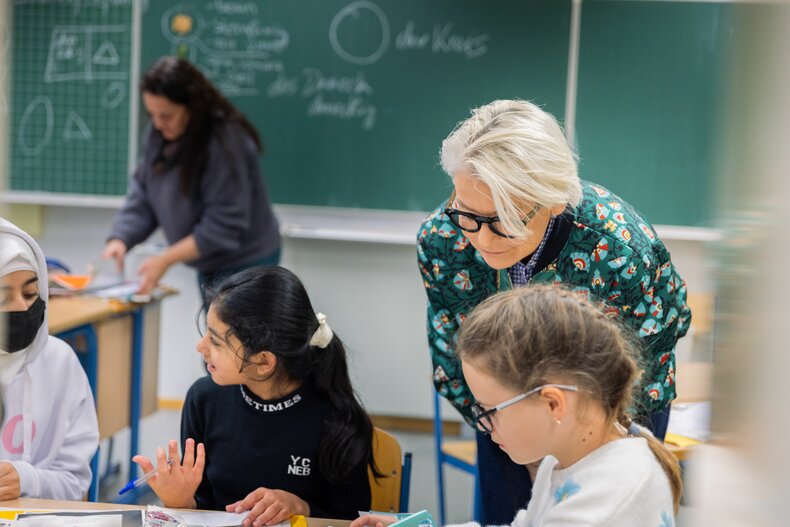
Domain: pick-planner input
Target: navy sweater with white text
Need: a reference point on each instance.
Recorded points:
(253, 443)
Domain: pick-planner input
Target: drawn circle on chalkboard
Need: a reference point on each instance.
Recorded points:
(353, 10)
(25, 121)
(113, 95)
(180, 24)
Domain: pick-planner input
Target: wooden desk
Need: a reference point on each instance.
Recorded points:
(31, 504)
(118, 345)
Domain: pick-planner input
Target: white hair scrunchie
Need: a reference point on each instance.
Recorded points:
(323, 335)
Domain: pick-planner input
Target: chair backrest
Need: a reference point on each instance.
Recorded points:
(385, 492)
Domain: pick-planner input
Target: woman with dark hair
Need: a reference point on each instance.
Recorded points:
(198, 180)
(278, 428)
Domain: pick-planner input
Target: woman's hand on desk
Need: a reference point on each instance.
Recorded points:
(9, 482)
(269, 507)
(115, 250)
(176, 483)
(151, 270)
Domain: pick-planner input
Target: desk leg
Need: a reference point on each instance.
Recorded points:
(137, 383)
(93, 369)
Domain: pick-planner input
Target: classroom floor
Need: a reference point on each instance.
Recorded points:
(161, 426)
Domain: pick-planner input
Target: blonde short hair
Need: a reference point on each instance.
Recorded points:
(520, 152)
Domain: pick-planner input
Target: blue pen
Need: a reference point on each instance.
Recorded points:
(139, 481)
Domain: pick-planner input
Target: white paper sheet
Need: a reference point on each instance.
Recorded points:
(213, 518)
(104, 520)
(206, 518)
(690, 420)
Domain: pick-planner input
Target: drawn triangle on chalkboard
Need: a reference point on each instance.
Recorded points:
(106, 55)
(75, 128)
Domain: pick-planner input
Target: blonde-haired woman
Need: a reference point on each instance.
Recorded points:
(520, 215)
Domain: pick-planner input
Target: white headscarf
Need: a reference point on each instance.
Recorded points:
(15, 255)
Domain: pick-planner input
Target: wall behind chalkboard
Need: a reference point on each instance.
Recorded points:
(70, 96)
(354, 98)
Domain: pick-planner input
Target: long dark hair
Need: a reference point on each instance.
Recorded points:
(182, 83)
(267, 308)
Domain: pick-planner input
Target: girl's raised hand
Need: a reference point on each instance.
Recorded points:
(176, 483)
(269, 507)
(373, 520)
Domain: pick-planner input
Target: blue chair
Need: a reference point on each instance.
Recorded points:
(459, 454)
(389, 493)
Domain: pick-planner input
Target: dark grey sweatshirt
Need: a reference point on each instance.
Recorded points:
(230, 215)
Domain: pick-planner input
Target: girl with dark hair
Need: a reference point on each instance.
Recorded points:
(198, 180)
(277, 429)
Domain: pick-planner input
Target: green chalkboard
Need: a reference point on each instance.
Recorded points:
(650, 88)
(70, 96)
(353, 98)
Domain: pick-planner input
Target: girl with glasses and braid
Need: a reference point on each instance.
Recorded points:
(553, 377)
(520, 216)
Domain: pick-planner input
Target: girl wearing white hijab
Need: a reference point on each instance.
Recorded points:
(49, 429)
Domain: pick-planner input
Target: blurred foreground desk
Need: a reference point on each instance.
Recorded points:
(33, 504)
(118, 345)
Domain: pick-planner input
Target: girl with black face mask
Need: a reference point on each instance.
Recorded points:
(49, 430)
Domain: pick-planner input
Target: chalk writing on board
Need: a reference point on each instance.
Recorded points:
(231, 47)
(441, 38)
(31, 119)
(106, 55)
(224, 7)
(244, 55)
(76, 129)
(315, 81)
(113, 96)
(355, 12)
(351, 108)
(340, 96)
(84, 53)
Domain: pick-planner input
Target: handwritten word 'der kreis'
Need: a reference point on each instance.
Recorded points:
(442, 40)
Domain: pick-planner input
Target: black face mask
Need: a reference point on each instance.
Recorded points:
(23, 326)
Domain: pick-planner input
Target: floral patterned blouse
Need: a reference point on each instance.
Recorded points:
(610, 254)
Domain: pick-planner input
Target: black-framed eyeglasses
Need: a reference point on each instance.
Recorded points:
(468, 222)
(482, 417)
